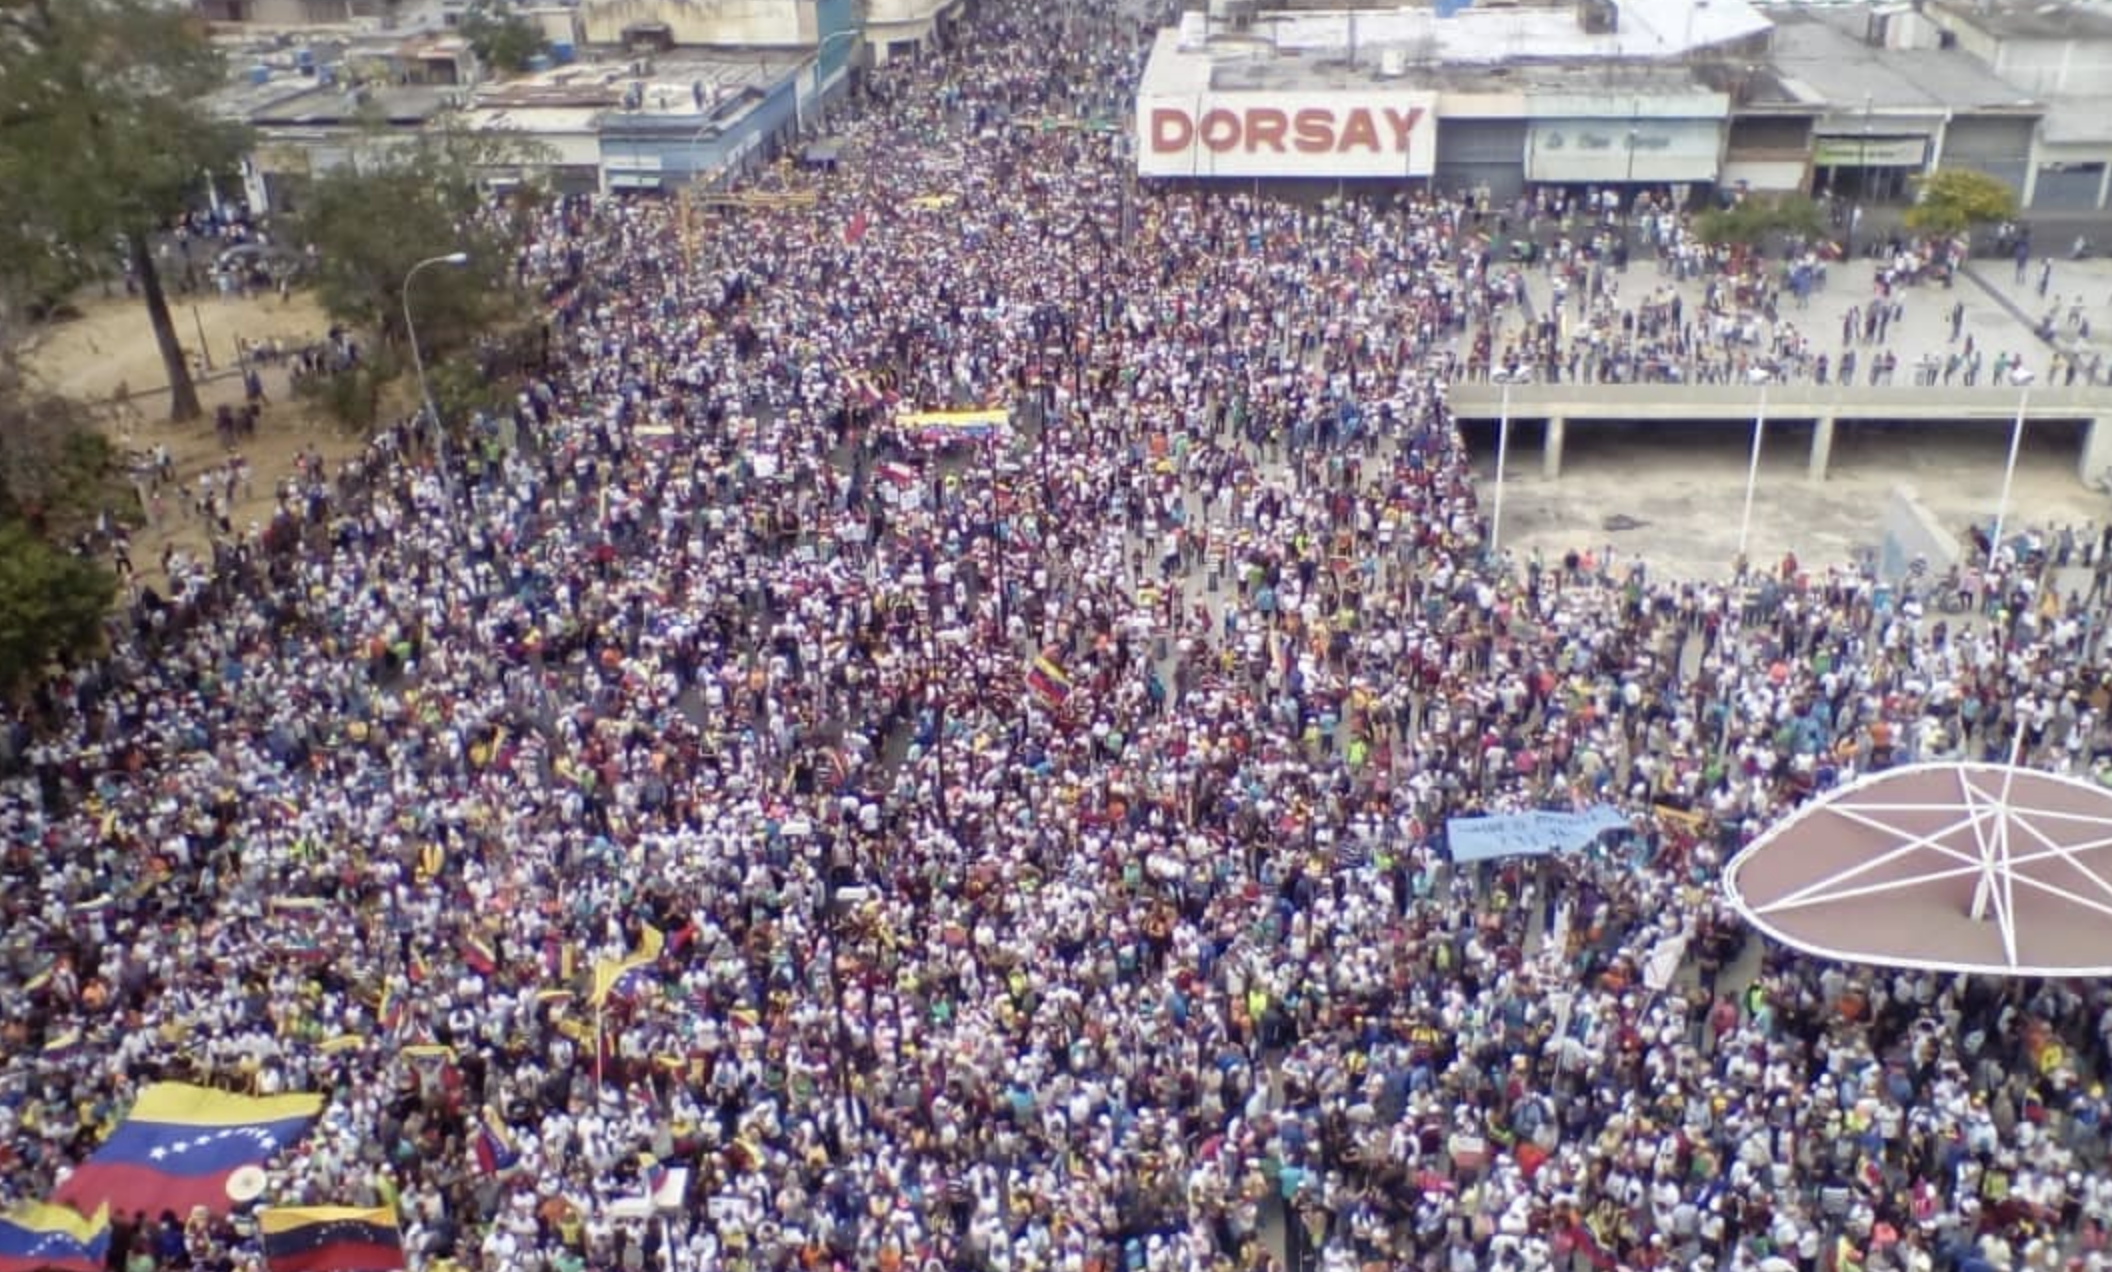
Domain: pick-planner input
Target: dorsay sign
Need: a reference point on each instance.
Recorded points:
(1315, 130)
(1311, 135)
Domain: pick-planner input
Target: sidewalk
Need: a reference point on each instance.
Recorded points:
(2078, 296)
(1923, 329)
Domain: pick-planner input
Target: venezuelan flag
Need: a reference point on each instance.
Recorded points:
(1049, 681)
(478, 955)
(180, 1144)
(494, 1148)
(610, 972)
(330, 1239)
(34, 1237)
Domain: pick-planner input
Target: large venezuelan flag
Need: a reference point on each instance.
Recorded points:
(34, 1237)
(179, 1146)
(330, 1239)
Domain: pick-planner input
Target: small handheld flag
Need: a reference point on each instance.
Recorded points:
(1049, 681)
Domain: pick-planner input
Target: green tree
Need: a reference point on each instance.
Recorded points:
(57, 469)
(1749, 221)
(499, 36)
(52, 605)
(402, 203)
(103, 136)
(1953, 200)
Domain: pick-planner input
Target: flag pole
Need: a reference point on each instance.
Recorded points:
(601, 1046)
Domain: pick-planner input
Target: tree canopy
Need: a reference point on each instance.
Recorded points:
(1952, 200)
(103, 137)
(1752, 218)
(499, 36)
(52, 604)
(55, 474)
(403, 203)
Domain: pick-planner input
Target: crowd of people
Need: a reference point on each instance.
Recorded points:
(1027, 853)
(1585, 312)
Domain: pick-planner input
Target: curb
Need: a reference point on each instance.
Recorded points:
(2001, 298)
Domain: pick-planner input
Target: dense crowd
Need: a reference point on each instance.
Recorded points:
(1035, 847)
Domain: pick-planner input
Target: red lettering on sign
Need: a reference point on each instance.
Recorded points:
(1219, 129)
(1309, 130)
(1359, 130)
(1170, 130)
(1403, 122)
(1315, 130)
(1265, 129)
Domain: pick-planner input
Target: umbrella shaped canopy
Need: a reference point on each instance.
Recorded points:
(1951, 867)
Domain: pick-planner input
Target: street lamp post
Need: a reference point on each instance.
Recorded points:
(1752, 467)
(410, 331)
(1503, 451)
(799, 122)
(2009, 468)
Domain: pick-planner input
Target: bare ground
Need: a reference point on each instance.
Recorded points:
(107, 357)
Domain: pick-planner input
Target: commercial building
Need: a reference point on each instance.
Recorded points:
(640, 113)
(1489, 100)
(2060, 53)
(1713, 95)
(891, 28)
(650, 123)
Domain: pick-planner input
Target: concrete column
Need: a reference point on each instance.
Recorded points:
(1821, 448)
(1551, 452)
(2097, 449)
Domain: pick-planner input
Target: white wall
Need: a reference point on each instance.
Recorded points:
(899, 12)
(2056, 66)
(752, 23)
(1768, 175)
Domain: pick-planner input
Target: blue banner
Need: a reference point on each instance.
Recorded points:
(1534, 834)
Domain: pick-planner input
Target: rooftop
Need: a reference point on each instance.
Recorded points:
(688, 87)
(2032, 19)
(402, 105)
(1648, 29)
(242, 99)
(1820, 58)
(1654, 81)
(546, 120)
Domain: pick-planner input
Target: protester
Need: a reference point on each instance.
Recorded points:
(1028, 853)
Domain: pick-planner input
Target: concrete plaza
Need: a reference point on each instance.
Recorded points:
(1678, 488)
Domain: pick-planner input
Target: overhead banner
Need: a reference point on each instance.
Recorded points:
(1870, 152)
(1623, 150)
(1358, 134)
(943, 428)
(1534, 834)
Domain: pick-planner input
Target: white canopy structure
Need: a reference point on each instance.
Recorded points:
(1951, 867)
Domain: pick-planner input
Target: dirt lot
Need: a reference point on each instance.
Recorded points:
(109, 350)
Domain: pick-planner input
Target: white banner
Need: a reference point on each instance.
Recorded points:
(1622, 150)
(1360, 134)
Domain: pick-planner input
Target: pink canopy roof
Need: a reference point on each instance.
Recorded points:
(1953, 867)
